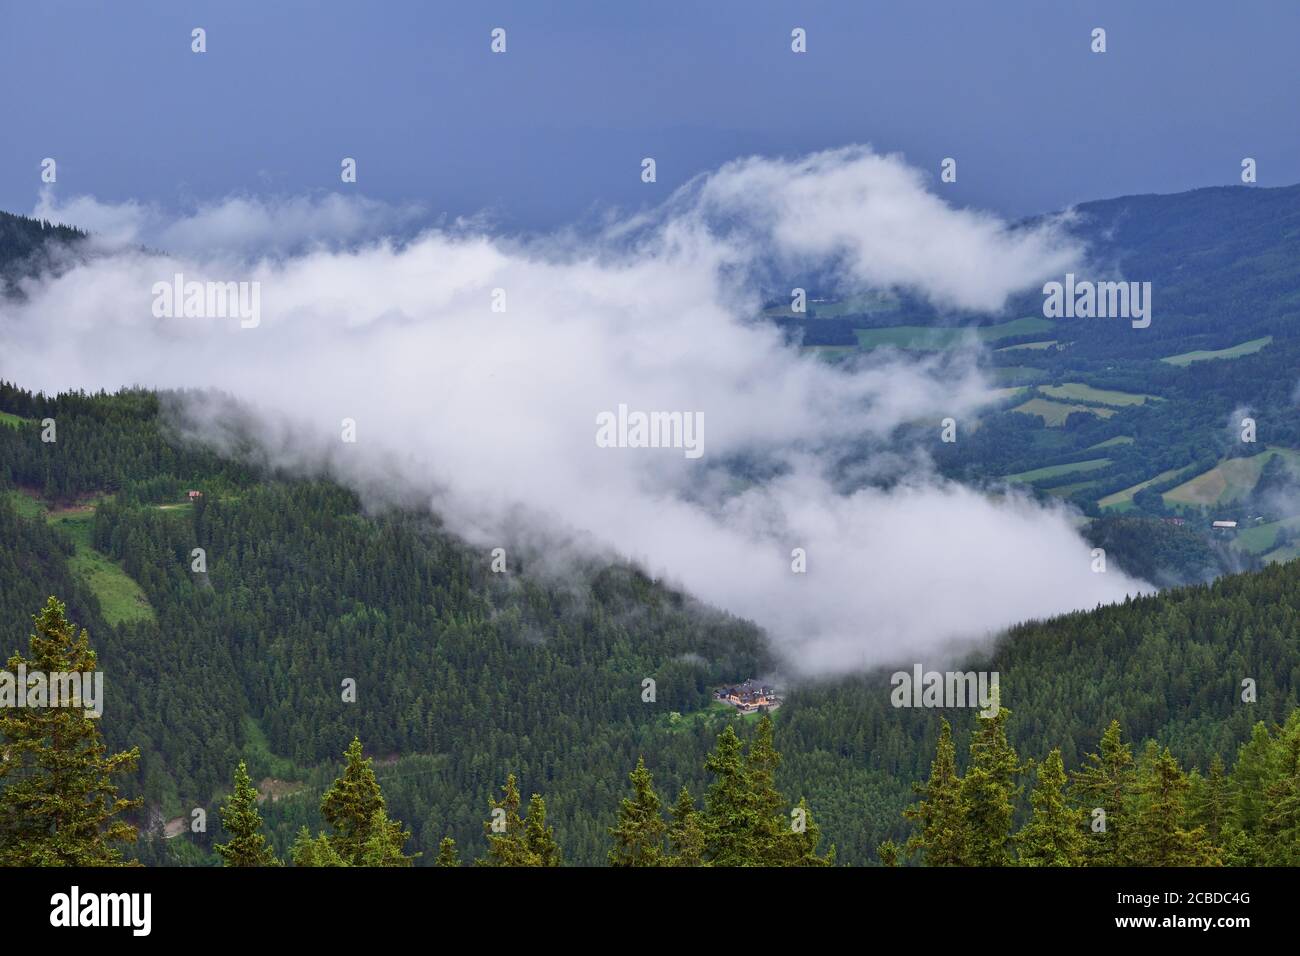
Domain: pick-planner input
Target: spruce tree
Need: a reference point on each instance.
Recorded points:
(243, 821)
(317, 851)
(802, 839)
(685, 833)
(1105, 783)
(1054, 834)
(940, 816)
(353, 806)
(1160, 836)
(539, 839)
(515, 841)
(58, 803)
(989, 792)
(732, 821)
(639, 834)
(447, 855)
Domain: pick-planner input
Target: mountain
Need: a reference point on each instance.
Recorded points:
(463, 675)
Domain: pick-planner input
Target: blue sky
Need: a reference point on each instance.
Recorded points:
(555, 128)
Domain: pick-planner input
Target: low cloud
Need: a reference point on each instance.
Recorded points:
(491, 416)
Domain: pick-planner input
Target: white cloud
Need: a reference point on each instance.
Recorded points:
(493, 415)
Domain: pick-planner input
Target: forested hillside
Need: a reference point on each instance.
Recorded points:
(463, 676)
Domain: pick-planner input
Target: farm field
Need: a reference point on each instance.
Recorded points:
(1261, 538)
(1033, 346)
(1065, 491)
(120, 598)
(1055, 471)
(1236, 351)
(1123, 500)
(1054, 414)
(930, 337)
(1112, 442)
(1077, 391)
(1226, 481)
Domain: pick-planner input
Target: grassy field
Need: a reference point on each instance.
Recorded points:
(120, 597)
(1056, 471)
(1288, 553)
(1227, 481)
(13, 421)
(1077, 391)
(927, 337)
(1112, 442)
(1123, 500)
(1054, 414)
(1035, 346)
(1064, 491)
(1245, 348)
(1261, 538)
(26, 505)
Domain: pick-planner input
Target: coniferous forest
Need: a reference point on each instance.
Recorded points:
(338, 687)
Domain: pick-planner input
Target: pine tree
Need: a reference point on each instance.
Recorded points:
(240, 817)
(1159, 836)
(774, 840)
(353, 806)
(1105, 783)
(731, 821)
(505, 830)
(58, 804)
(1279, 836)
(447, 855)
(639, 835)
(539, 839)
(513, 841)
(888, 853)
(318, 851)
(940, 817)
(685, 833)
(989, 792)
(1211, 804)
(384, 841)
(1054, 835)
(802, 839)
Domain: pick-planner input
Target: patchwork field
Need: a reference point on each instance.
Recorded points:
(1035, 346)
(1227, 481)
(1065, 491)
(1054, 414)
(1077, 391)
(930, 337)
(1123, 500)
(1112, 442)
(1236, 351)
(1262, 538)
(1056, 471)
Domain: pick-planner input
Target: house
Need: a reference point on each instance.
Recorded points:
(1176, 522)
(195, 494)
(748, 696)
(1225, 526)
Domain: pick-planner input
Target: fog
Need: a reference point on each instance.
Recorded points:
(490, 416)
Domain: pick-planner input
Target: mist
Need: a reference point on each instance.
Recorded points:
(474, 367)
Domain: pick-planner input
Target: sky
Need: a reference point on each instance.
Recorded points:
(553, 131)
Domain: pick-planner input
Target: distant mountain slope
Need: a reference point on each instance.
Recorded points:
(24, 246)
(1224, 264)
